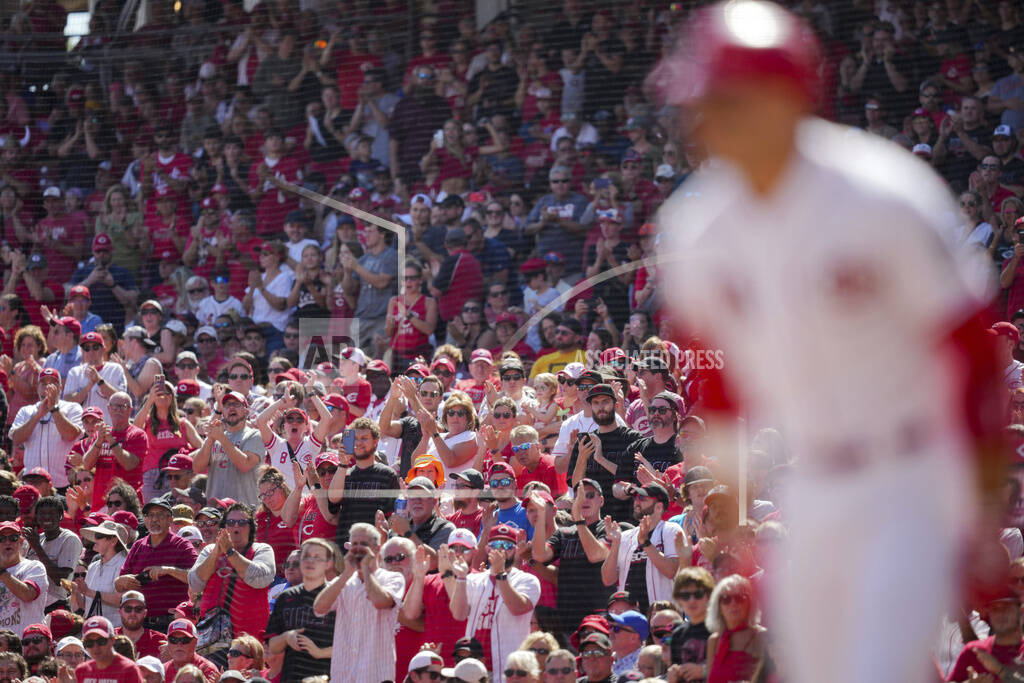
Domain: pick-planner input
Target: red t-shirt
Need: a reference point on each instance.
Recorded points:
(134, 441)
(544, 473)
(274, 532)
(471, 521)
(1006, 654)
(69, 229)
(351, 68)
(148, 644)
(274, 204)
(121, 670)
(160, 233)
(32, 306)
(237, 272)
(208, 668)
(312, 523)
(439, 626)
(359, 394)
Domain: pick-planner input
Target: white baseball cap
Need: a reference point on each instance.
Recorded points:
(462, 537)
(151, 664)
(469, 669)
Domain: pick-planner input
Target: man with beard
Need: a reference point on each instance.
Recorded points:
(407, 430)
(133, 613)
(498, 603)
(653, 372)
(424, 526)
(37, 645)
(579, 550)
(232, 453)
(293, 628)
(603, 455)
(568, 349)
(362, 486)
(659, 451)
(112, 287)
(501, 480)
(378, 374)
(104, 664)
(643, 560)
(117, 451)
(294, 444)
(365, 600)
(413, 123)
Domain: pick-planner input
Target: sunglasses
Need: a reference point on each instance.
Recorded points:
(512, 377)
(190, 411)
(114, 503)
(500, 292)
(559, 181)
(456, 412)
(221, 326)
(80, 575)
(494, 213)
(662, 633)
(236, 522)
(187, 366)
(590, 495)
(504, 481)
(502, 416)
(683, 596)
(220, 280)
(197, 290)
(471, 309)
(592, 654)
(518, 673)
(294, 418)
(394, 559)
(35, 640)
(326, 471)
(429, 394)
(238, 653)
(563, 670)
(501, 545)
(179, 640)
(137, 609)
(91, 347)
(94, 642)
(208, 523)
(970, 203)
(658, 410)
(568, 381)
(738, 598)
(206, 340)
(440, 372)
(523, 447)
(542, 651)
(239, 376)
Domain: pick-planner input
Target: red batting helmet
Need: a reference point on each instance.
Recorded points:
(739, 41)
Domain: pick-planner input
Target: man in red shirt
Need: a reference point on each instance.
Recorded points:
(428, 596)
(535, 466)
(60, 236)
(468, 513)
(272, 204)
(29, 278)
(481, 371)
(459, 279)
(181, 645)
(1005, 644)
(350, 65)
(105, 665)
(133, 613)
(118, 450)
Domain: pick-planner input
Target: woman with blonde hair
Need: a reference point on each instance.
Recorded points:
(191, 674)
(246, 655)
(736, 647)
(541, 644)
(522, 665)
(455, 446)
(270, 527)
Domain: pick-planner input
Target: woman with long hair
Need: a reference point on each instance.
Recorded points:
(455, 446)
(12, 316)
(122, 221)
(411, 319)
(168, 433)
(121, 496)
(736, 648)
(469, 329)
(448, 164)
(23, 370)
(270, 528)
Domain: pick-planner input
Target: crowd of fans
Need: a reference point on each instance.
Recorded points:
(468, 490)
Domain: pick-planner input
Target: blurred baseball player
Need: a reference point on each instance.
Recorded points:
(819, 260)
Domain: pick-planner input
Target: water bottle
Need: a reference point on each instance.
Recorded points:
(401, 505)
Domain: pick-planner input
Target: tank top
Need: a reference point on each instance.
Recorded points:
(161, 442)
(406, 337)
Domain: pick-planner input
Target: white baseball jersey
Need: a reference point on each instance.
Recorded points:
(279, 456)
(831, 298)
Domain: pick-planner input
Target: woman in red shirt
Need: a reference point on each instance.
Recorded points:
(448, 165)
(167, 434)
(270, 527)
(412, 318)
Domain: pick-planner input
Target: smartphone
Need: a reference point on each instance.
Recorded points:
(602, 183)
(348, 440)
(438, 137)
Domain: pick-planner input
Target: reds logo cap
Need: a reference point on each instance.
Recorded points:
(336, 401)
(463, 537)
(182, 626)
(503, 532)
(235, 396)
(49, 372)
(378, 365)
(100, 625)
(37, 472)
(187, 387)
(179, 463)
(482, 354)
(102, 242)
(91, 338)
(354, 354)
(79, 290)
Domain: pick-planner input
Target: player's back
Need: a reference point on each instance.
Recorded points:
(827, 296)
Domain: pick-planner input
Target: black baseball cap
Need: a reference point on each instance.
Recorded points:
(600, 390)
(471, 477)
(652, 490)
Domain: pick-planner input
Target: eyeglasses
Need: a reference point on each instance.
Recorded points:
(71, 655)
(113, 503)
(239, 376)
(518, 673)
(187, 366)
(659, 410)
(470, 309)
(197, 290)
(559, 181)
(683, 596)
(179, 640)
(512, 377)
(12, 538)
(456, 412)
(238, 653)
(501, 544)
(90, 643)
(592, 654)
(268, 493)
(563, 670)
(502, 416)
(237, 522)
(429, 394)
(568, 381)
(738, 598)
(91, 347)
(394, 559)
(504, 481)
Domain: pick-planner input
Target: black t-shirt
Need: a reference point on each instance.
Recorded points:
(412, 432)
(580, 589)
(1013, 172)
(960, 163)
(689, 643)
(614, 447)
(660, 455)
(294, 609)
(358, 503)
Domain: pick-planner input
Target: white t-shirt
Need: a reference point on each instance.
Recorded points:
(45, 448)
(210, 308)
(64, 551)
(262, 311)
(663, 537)
(1012, 375)
(100, 577)
(16, 614)
(78, 379)
(452, 442)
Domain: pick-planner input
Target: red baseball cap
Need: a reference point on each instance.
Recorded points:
(533, 265)
(647, 229)
(610, 355)
(79, 290)
(300, 411)
(418, 367)
(91, 338)
(49, 372)
(10, 526)
(377, 365)
(444, 362)
(37, 472)
(235, 396)
(70, 323)
(503, 532)
(506, 317)
(208, 203)
(501, 468)
(182, 626)
(100, 625)
(482, 354)
(1005, 329)
(41, 629)
(92, 412)
(102, 242)
(187, 387)
(178, 463)
(329, 457)
(219, 189)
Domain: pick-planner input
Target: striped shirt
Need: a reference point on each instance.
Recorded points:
(364, 636)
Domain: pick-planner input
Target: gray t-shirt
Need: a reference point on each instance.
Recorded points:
(227, 481)
(553, 237)
(64, 551)
(373, 302)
